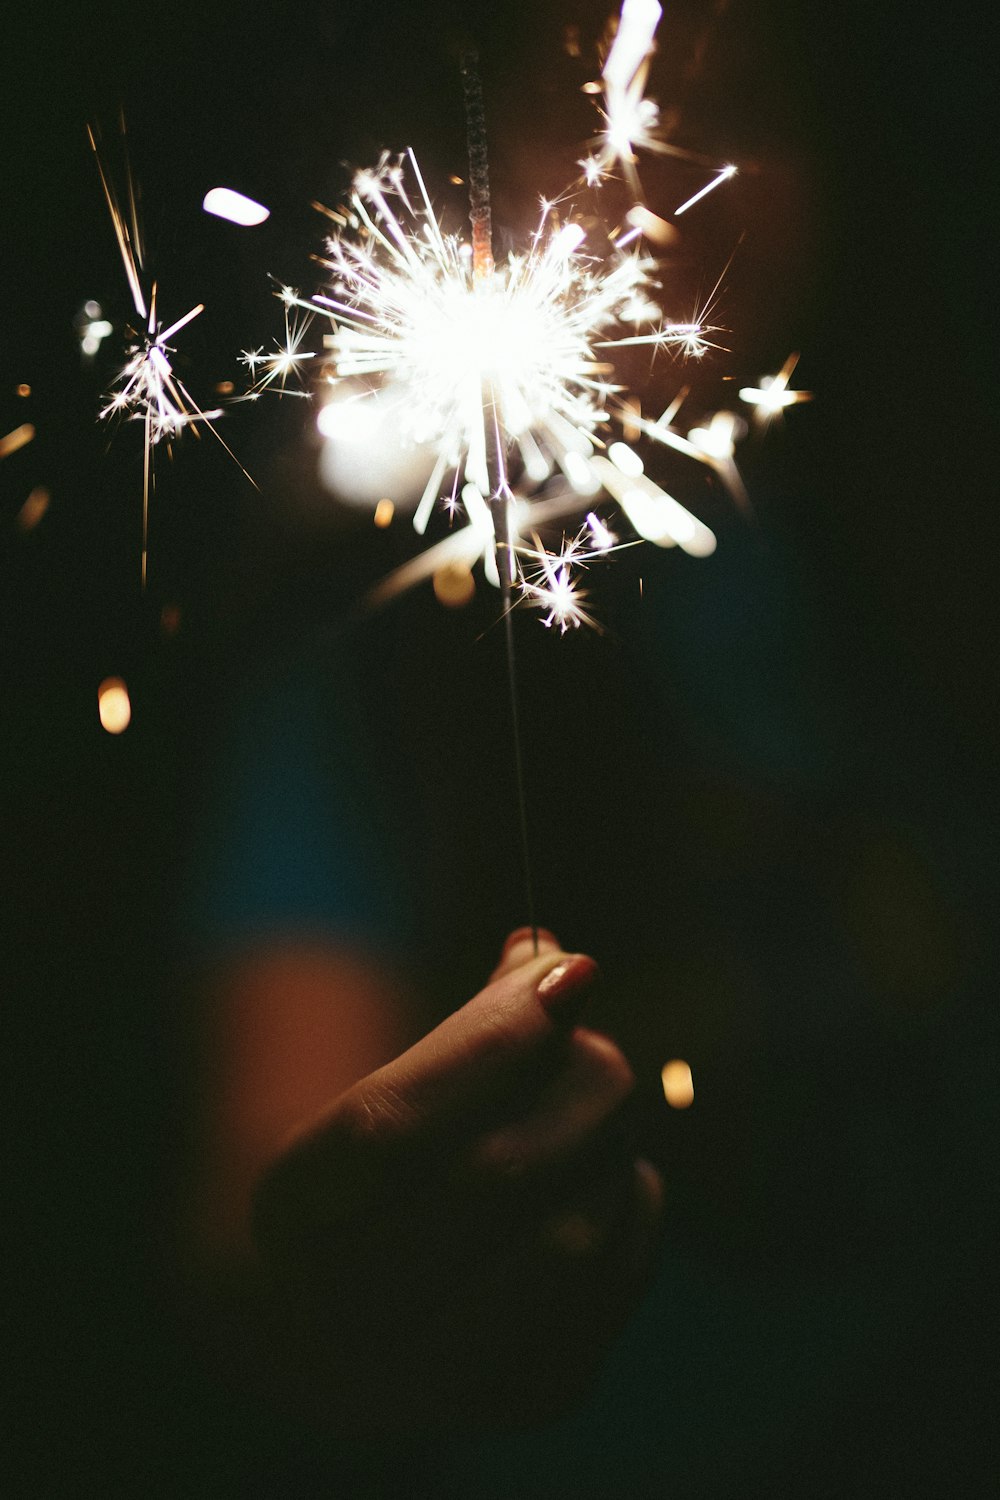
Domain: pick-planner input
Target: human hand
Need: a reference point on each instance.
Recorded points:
(462, 1234)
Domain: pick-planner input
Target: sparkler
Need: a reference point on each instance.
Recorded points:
(504, 367)
(502, 370)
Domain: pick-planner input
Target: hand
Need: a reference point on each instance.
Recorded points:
(463, 1233)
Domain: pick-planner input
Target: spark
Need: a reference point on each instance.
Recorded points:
(92, 328)
(552, 587)
(226, 203)
(284, 362)
(631, 121)
(770, 398)
(723, 176)
(20, 437)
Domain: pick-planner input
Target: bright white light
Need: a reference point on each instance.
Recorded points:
(352, 421)
(579, 473)
(721, 177)
(226, 203)
(769, 396)
(569, 238)
(626, 459)
(717, 440)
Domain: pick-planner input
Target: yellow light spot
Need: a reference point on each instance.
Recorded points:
(113, 705)
(24, 389)
(224, 388)
(384, 512)
(678, 1085)
(33, 509)
(454, 585)
(19, 438)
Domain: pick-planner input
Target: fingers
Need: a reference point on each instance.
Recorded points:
(621, 1215)
(568, 1111)
(481, 1052)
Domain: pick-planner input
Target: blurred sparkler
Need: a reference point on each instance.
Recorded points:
(147, 388)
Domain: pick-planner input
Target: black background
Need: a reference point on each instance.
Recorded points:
(837, 1157)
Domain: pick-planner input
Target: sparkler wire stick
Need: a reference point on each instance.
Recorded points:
(500, 498)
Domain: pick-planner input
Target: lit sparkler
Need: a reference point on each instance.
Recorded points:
(410, 312)
(502, 372)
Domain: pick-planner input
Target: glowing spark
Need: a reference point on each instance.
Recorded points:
(771, 397)
(19, 438)
(709, 187)
(33, 509)
(553, 589)
(92, 329)
(284, 362)
(602, 539)
(225, 203)
(631, 120)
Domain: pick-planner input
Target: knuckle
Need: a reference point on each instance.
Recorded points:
(377, 1111)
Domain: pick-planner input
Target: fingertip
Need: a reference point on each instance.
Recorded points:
(561, 987)
(524, 944)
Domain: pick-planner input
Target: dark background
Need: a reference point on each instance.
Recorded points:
(800, 881)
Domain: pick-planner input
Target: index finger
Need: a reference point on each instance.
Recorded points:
(477, 1054)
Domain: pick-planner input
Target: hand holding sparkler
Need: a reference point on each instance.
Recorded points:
(465, 1230)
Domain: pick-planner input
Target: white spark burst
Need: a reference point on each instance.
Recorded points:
(147, 388)
(409, 311)
(274, 368)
